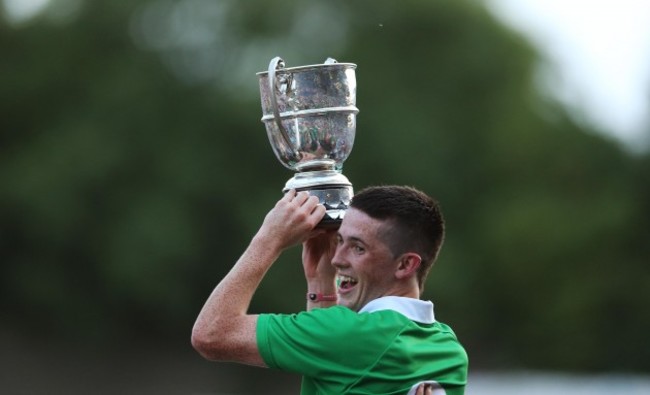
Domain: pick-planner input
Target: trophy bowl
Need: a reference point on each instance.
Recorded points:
(310, 117)
(315, 141)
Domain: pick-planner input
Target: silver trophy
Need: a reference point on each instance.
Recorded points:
(310, 118)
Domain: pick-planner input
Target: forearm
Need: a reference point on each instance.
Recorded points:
(319, 273)
(225, 311)
(223, 330)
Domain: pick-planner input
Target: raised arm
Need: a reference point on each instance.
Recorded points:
(223, 330)
(317, 253)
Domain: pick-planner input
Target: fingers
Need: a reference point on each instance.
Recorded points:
(424, 389)
(304, 200)
(291, 193)
(302, 197)
(298, 210)
(298, 198)
(292, 218)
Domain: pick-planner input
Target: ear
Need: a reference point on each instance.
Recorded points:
(408, 265)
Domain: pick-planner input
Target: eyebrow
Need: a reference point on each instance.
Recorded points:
(353, 239)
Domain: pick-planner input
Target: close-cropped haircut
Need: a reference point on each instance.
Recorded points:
(413, 221)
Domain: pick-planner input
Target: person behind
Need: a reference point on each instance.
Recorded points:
(365, 330)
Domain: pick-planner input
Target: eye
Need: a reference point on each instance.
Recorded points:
(339, 240)
(358, 249)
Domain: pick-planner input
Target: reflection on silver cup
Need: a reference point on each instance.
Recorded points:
(310, 118)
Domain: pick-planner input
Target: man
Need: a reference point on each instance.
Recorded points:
(366, 331)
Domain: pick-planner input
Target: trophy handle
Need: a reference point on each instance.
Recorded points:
(278, 63)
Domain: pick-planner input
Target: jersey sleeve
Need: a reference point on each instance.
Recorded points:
(319, 343)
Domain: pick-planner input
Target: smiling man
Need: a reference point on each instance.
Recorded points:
(365, 330)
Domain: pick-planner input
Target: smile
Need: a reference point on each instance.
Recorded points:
(345, 283)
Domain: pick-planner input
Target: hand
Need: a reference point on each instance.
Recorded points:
(292, 219)
(317, 253)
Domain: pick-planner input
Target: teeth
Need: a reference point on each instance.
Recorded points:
(341, 279)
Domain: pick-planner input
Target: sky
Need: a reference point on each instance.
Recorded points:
(599, 51)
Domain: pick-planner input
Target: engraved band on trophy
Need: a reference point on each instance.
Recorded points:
(310, 118)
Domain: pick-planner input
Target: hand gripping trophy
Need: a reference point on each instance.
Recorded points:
(310, 118)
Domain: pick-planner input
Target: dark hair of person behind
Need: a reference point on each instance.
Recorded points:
(414, 222)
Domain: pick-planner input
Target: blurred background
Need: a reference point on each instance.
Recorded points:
(134, 169)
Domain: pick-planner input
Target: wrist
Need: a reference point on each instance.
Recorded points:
(324, 285)
(268, 244)
(316, 297)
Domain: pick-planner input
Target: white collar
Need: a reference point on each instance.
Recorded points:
(413, 309)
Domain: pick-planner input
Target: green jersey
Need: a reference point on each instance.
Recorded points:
(387, 348)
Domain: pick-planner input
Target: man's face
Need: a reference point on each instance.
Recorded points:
(365, 265)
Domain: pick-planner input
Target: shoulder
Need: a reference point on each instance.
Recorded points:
(311, 342)
(327, 319)
(308, 342)
(330, 324)
(344, 318)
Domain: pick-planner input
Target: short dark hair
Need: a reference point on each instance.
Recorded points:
(414, 221)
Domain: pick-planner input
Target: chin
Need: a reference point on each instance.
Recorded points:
(344, 303)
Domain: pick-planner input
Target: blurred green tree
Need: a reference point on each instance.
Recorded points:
(133, 169)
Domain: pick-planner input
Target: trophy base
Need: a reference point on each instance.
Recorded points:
(333, 190)
(336, 199)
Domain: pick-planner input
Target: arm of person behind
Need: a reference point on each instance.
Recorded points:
(224, 331)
